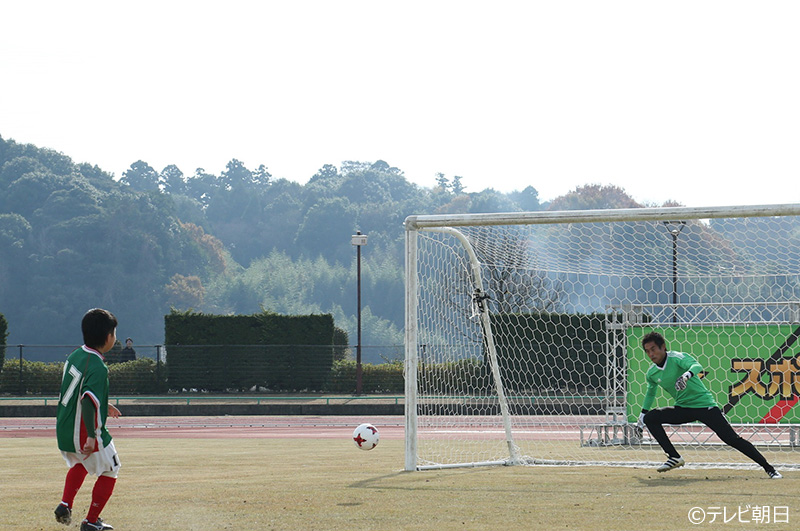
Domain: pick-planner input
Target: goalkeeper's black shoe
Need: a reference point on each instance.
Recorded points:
(63, 514)
(774, 474)
(672, 462)
(99, 525)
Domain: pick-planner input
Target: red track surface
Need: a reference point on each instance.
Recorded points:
(391, 427)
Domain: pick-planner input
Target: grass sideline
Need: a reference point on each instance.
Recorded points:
(327, 484)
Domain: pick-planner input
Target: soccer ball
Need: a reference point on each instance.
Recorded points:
(366, 436)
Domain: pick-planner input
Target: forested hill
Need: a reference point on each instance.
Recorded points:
(72, 238)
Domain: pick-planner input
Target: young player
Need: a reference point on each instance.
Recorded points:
(677, 373)
(81, 430)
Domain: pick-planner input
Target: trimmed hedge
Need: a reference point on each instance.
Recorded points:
(38, 378)
(466, 377)
(142, 376)
(145, 377)
(3, 337)
(264, 351)
(382, 378)
(539, 350)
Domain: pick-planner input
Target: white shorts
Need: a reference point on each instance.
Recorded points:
(104, 462)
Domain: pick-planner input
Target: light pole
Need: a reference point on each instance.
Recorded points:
(358, 240)
(674, 228)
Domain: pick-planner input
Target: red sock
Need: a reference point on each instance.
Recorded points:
(103, 488)
(72, 484)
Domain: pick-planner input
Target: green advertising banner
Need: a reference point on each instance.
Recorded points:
(752, 370)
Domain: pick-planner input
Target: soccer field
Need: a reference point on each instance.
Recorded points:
(302, 478)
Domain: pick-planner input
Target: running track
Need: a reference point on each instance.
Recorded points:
(274, 427)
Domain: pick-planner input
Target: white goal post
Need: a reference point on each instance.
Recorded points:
(523, 331)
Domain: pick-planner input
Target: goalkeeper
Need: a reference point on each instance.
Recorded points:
(677, 373)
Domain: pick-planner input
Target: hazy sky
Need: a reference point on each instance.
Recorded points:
(695, 101)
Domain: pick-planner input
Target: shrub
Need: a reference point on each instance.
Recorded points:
(383, 378)
(141, 376)
(38, 378)
(3, 338)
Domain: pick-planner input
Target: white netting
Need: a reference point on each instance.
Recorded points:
(566, 307)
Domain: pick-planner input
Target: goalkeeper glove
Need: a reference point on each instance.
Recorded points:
(680, 383)
(640, 424)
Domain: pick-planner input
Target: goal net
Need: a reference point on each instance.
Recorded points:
(523, 333)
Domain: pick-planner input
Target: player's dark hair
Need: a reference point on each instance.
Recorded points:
(96, 325)
(653, 337)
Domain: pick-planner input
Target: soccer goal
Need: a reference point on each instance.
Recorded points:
(523, 332)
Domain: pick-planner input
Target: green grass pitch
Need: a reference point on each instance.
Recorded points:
(328, 484)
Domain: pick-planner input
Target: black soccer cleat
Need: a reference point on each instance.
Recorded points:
(63, 514)
(99, 525)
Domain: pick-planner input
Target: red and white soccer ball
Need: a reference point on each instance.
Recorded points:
(366, 436)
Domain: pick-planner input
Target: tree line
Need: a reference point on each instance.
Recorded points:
(73, 237)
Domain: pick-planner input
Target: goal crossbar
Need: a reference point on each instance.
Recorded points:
(418, 222)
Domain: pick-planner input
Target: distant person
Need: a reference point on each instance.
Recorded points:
(677, 373)
(81, 430)
(127, 354)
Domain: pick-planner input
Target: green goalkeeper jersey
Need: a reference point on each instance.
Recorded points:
(695, 395)
(85, 375)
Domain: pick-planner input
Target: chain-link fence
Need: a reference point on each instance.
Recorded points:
(162, 369)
